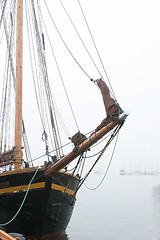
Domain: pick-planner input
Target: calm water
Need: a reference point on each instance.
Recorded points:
(124, 207)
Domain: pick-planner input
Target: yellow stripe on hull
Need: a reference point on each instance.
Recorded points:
(62, 189)
(22, 188)
(36, 186)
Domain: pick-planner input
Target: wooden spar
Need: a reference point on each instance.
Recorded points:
(84, 146)
(81, 148)
(5, 236)
(18, 87)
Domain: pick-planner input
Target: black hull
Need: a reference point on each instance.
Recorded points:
(47, 208)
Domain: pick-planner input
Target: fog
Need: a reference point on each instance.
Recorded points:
(127, 37)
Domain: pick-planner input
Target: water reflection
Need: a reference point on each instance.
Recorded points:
(61, 237)
(156, 201)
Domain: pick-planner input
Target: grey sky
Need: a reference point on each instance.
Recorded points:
(127, 36)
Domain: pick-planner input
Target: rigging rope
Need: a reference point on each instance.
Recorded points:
(96, 48)
(6, 93)
(71, 143)
(27, 149)
(45, 91)
(103, 150)
(62, 84)
(3, 10)
(5, 17)
(107, 166)
(80, 38)
(11, 220)
(65, 42)
(43, 59)
(32, 60)
(9, 17)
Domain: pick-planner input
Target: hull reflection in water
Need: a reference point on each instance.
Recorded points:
(61, 237)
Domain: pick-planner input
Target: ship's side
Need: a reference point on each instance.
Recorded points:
(43, 210)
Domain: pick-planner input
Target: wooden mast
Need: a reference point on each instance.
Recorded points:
(18, 88)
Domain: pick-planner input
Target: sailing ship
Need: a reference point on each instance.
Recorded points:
(38, 200)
